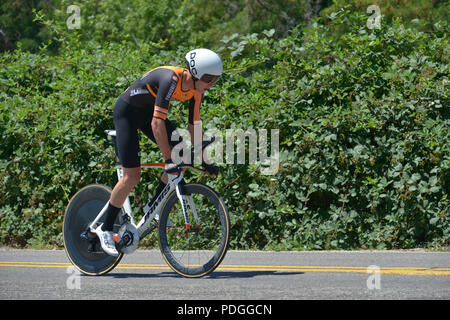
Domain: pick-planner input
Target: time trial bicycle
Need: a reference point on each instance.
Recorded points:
(192, 220)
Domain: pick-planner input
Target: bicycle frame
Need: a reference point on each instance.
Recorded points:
(151, 210)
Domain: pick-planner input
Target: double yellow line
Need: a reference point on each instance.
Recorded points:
(382, 270)
(410, 271)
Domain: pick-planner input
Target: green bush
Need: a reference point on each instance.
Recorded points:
(363, 120)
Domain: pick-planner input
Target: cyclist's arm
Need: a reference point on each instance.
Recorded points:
(167, 86)
(160, 134)
(195, 125)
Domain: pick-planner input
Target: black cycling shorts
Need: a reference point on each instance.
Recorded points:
(127, 120)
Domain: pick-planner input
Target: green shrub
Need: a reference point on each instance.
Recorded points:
(363, 120)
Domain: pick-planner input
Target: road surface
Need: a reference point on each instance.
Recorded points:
(250, 275)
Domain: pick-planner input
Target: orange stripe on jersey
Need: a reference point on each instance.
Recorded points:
(160, 113)
(150, 90)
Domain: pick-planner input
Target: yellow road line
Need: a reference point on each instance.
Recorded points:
(255, 268)
(35, 262)
(399, 271)
(334, 267)
(33, 265)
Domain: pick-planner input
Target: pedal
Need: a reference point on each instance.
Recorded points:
(91, 238)
(126, 240)
(91, 248)
(88, 236)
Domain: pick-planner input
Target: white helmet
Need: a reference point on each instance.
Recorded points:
(202, 62)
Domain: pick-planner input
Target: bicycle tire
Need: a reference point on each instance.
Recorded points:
(81, 211)
(213, 219)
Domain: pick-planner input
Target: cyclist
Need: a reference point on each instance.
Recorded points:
(145, 106)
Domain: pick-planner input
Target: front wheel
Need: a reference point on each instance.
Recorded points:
(82, 247)
(194, 251)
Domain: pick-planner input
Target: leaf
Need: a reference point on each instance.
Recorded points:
(253, 186)
(434, 220)
(269, 33)
(330, 137)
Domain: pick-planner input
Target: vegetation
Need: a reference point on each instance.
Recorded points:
(363, 114)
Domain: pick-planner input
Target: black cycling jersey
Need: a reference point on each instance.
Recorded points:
(155, 89)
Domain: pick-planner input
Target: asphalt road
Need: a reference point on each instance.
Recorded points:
(343, 275)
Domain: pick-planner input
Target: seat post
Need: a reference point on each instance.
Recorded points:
(112, 135)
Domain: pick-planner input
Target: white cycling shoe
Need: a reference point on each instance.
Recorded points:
(107, 241)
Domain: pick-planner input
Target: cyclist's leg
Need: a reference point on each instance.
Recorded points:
(130, 179)
(128, 150)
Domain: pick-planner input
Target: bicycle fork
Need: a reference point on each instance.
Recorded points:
(185, 199)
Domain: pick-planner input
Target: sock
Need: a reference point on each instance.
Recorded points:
(160, 188)
(110, 216)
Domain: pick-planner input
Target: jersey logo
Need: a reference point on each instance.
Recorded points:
(173, 85)
(138, 91)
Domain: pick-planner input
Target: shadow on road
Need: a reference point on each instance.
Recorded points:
(215, 275)
(142, 275)
(248, 274)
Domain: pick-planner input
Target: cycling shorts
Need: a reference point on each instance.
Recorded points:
(128, 119)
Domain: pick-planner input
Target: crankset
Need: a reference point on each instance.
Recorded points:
(127, 238)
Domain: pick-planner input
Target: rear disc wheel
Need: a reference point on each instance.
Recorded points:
(86, 252)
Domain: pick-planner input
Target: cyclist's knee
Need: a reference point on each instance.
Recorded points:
(131, 176)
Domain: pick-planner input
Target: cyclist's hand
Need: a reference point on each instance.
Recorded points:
(211, 170)
(171, 168)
